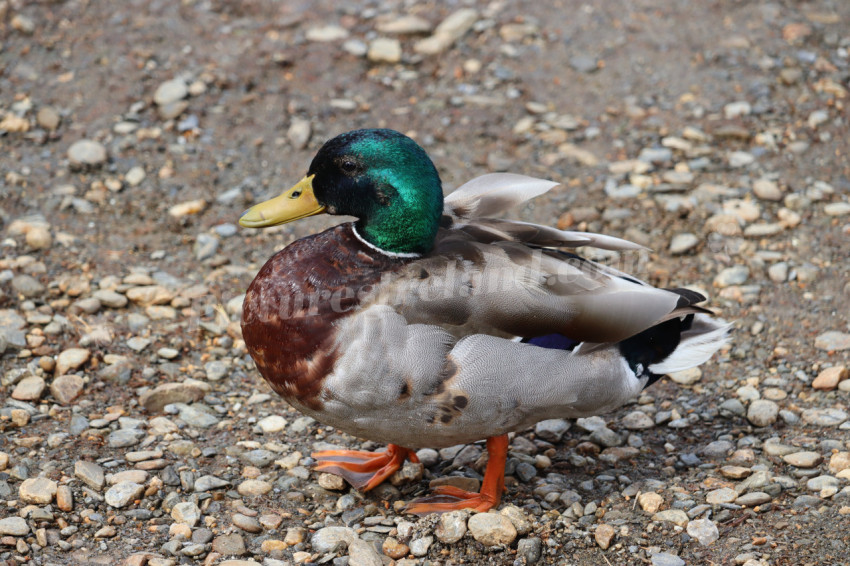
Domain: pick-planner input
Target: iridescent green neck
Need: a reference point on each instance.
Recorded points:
(408, 202)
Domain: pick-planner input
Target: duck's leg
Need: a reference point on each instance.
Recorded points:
(448, 498)
(363, 470)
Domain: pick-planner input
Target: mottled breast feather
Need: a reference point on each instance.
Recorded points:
(291, 307)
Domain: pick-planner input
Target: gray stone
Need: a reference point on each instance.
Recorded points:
(86, 153)
(682, 243)
(124, 437)
(326, 539)
(606, 437)
(246, 523)
(226, 230)
(427, 456)
(740, 159)
(717, 449)
(123, 493)
(135, 176)
(186, 512)
(735, 109)
(762, 412)
(591, 424)
(666, 559)
(419, 546)
(778, 272)
(754, 498)
(675, 516)
(803, 459)
(766, 189)
(525, 472)
(451, 526)
(492, 529)
(193, 415)
(90, 473)
(253, 487)
(517, 518)
(78, 425)
(356, 47)
(655, 154)
(450, 30)
(756, 481)
(837, 209)
(833, 341)
(551, 430)
(48, 118)
(27, 285)
(384, 50)
(326, 33)
(138, 343)
(637, 420)
(259, 458)
(821, 482)
(157, 398)
(209, 483)
(721, 495)
(229, 545)
(530, 549)
(733, 407)
(584, 63)
(206, 245)
(824, 417)
(272, 424)
(216, 370)
(14, 526)
(66, 388)
(299, 132)
(170, 92)
(735, 275)
(362, 553)
(806, 502)
(704, 530)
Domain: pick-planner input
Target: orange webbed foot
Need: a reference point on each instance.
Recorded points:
(363, 470)
(448, 498)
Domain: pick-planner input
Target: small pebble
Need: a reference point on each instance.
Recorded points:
(829, 378)
(805, 459)
(604, 535)
(492, 529)
(704, 530)
(650, 502)
(185, 512)
(122, 494)
(451, 526)
(675, 516)
(87, 153)
(39, 491)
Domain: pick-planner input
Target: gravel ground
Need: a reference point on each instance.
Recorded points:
(135, 429)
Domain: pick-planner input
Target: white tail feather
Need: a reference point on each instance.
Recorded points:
(697, 345)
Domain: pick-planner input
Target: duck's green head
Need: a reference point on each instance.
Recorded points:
(380, 176)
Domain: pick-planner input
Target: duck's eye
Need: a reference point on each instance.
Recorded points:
(348, 166)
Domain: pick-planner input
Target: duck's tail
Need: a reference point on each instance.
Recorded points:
(674, 345)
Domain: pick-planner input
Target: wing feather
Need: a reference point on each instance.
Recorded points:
(494, 193)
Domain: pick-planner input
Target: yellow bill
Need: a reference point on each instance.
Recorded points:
(297, 202)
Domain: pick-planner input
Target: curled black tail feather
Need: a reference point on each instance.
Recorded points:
(653, 345)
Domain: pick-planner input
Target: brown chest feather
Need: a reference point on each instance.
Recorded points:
(291, 307)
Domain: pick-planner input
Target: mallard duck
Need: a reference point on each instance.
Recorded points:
(428, 322)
